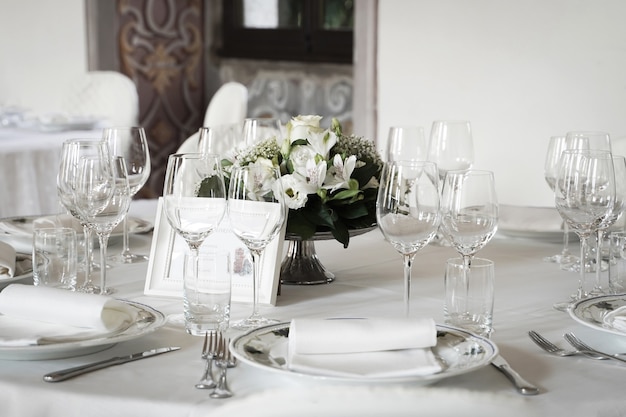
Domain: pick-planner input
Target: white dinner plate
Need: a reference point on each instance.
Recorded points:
(460, 351)
(18, 231)
(591, 311)
(148, 320)
(538, 223)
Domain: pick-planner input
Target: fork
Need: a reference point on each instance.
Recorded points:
(550, 347)
(209, 352)
(222, 361)
(579, 344)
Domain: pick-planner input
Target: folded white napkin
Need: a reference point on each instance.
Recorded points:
(363, 347)
(66, 220)
(57, 220)
(7, 260)
(32, 315)
(616, 319)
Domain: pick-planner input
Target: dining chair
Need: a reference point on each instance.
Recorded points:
(107, 95)
(228, 106)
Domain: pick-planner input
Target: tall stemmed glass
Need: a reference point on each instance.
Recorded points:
(257, 213)
(407, 211)
(72, 152)
(451, 146)
(581, 139)
(103, 197)
(220, 139)
(469, 210)
(556, 146)
(619, 168)
(261, 128)
(584, 195)
(194, 198)
(406, 143)
(130, 143)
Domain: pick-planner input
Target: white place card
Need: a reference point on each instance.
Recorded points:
(165, 267)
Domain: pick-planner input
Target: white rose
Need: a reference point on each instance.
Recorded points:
(301, 127)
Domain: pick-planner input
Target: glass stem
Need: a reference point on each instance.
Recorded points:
(256, 278)
(580, 294)
(103, 239)
(408, 263)
(88, 255)
(565, 252)
(126, 245)
(598, 286)
(467, 264)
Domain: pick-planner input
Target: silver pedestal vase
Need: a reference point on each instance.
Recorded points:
(301, 265)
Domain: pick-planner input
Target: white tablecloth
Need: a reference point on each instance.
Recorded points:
(368, 282)
(29, 161)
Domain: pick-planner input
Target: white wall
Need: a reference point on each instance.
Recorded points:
(42, 46)
(520, 71)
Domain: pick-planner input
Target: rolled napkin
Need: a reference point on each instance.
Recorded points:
(616, 319)
(375, 348)
(7, 261)
(32, 315)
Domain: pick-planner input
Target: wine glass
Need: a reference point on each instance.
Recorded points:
(72, 152)
(451, 146)
(407, 211)
(130, 143)
(584, 195)
(406, 143)
(257, 129)
(581, 139)
(194, 198)
(103, 198)
(619, 168)
(469, 210)
(257, 213)
(220, 139)
(556, 146)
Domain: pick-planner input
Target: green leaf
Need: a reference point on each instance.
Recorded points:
(208, 186)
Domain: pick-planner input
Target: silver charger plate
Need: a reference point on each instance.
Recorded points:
(591, 312)
(458, 350)
(149, 319)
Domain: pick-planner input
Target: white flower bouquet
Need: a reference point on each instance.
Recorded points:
(329, 180)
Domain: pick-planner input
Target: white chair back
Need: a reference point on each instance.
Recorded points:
(108, 95)
(228, 105)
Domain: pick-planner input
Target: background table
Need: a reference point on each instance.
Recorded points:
(29, 161)
(369, 283)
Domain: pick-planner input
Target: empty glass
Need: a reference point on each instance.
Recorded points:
(407, 211)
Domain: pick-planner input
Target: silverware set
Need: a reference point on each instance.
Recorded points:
(215, 351)
(580, 348)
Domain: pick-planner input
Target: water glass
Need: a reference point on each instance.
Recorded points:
(469, 295)
(55, 257)
(206, 298)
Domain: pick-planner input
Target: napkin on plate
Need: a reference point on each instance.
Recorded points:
(32, 315)
(375, 348)
(7, 261)
(616, 319)
(57, 220)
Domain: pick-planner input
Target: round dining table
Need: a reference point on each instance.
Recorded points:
(368, 283)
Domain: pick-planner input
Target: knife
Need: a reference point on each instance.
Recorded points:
(117, 360)
(523, 387)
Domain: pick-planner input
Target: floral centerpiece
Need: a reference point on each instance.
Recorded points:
(330, 180)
